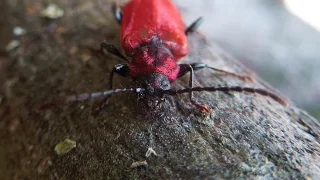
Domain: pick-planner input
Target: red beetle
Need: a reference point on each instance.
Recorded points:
(153, 36)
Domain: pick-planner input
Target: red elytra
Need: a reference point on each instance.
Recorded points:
(142, 20)
(153, 36)
(152, 33)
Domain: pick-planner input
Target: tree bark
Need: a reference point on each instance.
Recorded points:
(244, 136)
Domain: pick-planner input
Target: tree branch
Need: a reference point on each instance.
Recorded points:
(245, 135)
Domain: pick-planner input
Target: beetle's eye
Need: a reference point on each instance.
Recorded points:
(165, 84)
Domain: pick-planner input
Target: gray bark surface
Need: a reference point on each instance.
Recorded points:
(245, 135)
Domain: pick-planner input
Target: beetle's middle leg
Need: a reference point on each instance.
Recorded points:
(194, 26)
(117, 12)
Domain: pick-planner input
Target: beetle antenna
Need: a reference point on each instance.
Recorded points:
(262, 92)
(86, 96)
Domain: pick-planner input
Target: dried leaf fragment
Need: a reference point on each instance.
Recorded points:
(65, 146)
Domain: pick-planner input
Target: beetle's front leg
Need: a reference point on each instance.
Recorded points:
(185, 68)
(122, 70)
(197, 66)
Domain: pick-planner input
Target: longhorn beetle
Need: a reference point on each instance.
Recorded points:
(153, 37)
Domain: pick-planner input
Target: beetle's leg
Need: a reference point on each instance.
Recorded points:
(122, 70)
(113, 50)
(117, 13)
(198, 66)
(184, 68)
(110, 48)
(187, 68)
(190, 68)
(194, 26)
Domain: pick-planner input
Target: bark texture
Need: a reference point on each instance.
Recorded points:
(245, 135)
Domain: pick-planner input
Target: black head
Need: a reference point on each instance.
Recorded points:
(154, 84)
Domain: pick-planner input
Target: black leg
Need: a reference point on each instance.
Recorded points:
(184, 68)
(194, 26)
(122, 70)
(113, 50)
(190, 68)
(117, 13)
(197, 66)
(187, 68)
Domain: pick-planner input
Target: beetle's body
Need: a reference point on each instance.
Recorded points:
(142, 20)
(152, 34)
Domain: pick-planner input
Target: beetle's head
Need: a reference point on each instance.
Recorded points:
(154, 83)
